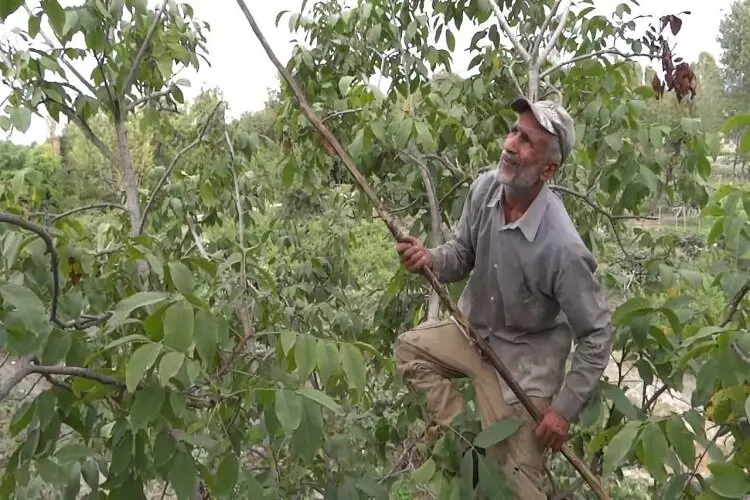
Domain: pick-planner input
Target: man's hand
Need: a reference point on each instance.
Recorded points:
(414, 256)
(552, 430)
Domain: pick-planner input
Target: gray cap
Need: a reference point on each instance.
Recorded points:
(554, 118)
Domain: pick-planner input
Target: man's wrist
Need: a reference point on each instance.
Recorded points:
(566, 405)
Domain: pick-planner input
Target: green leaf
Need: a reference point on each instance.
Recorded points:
(424, 473)
(329, 360)
(227, 474)
(130, 304)
(353, 364)
(206, 335)
(497, 432)
(253, 488)
(183, 475)
(179, 326)
(57, 347)
(649, 178)
(402, 133)
(288, 406)
(56, 15)
(681, 439)
(621, 401)
(24, 300)
(288, 340)
(169, 366)
(72, 452)
(450, 40)
(140, 362)
(655, 448)
(147, 405)
(181, 277)
(321, 398)
(614, 141)
(8, 7)
(747, 407)
(729, 480)
(492, 481)
(344, 84)
(619, 447)
(372, 488)
(164, 448)
(21, 118)
(425, 139)
(287, 173)
(304, 354)
(467, 475)
(738, 120)
(625, 312)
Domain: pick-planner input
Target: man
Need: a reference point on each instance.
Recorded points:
(532, 291)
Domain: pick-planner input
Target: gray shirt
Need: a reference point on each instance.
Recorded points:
(532, 291)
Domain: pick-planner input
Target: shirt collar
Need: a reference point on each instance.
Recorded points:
(531, 220)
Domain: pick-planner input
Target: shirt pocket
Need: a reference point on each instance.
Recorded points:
(529, 310)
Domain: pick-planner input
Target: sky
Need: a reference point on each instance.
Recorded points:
(242, 70)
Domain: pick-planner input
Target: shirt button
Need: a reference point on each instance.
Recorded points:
(495, 266)
(492, 298)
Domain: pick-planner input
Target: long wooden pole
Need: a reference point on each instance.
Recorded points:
(400, 235)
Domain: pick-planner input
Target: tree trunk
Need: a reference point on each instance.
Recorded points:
(129, 177)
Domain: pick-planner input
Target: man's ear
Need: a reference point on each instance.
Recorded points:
(549, 171)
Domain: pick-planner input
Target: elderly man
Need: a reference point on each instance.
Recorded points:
(533, 290)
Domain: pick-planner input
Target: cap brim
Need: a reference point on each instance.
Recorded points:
(521, 105)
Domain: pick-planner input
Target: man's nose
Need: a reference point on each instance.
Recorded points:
(510, 143)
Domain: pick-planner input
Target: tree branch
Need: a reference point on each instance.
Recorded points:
(596, 207)
(63, 59)
(434, 235)
(87, 130)
(171, 166)
(506, 29)
(337, 114)
(592, 55)
(545, 25)
(142, 51)
(196, 237)
(555, 35)
(80, 323)
(151, 97)
(88, 207)
(734, 304)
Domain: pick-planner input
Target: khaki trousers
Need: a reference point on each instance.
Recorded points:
(435, 352)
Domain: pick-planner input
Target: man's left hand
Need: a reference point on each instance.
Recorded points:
(552, 430)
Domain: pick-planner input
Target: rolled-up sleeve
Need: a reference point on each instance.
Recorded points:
(454, 260)
(582, 300)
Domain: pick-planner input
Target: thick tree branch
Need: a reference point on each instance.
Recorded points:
(171, 166)
(592, 55)
(555, 35)
(88, 207)
(508, 32)
(142, 51)
(87, 131)
(81, 323)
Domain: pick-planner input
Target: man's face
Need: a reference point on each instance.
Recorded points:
(525, 160)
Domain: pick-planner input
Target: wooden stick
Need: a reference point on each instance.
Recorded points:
(400, 235)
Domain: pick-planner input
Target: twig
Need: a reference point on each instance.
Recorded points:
(88, 207)
(150, 97)
(694, 471)
(596, 207)
(399, 234)
(196, 237)
(555, 35)
(142, 51)
(457, 172)
(506, 29)
(338, 114)
(592, 55)
(658, 392)
(171, 166)
(735, 304)
(81, 323)
(87, 130)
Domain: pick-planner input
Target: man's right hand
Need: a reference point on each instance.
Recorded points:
(414, 255)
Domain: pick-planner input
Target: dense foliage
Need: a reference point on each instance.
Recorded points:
(212, 305)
